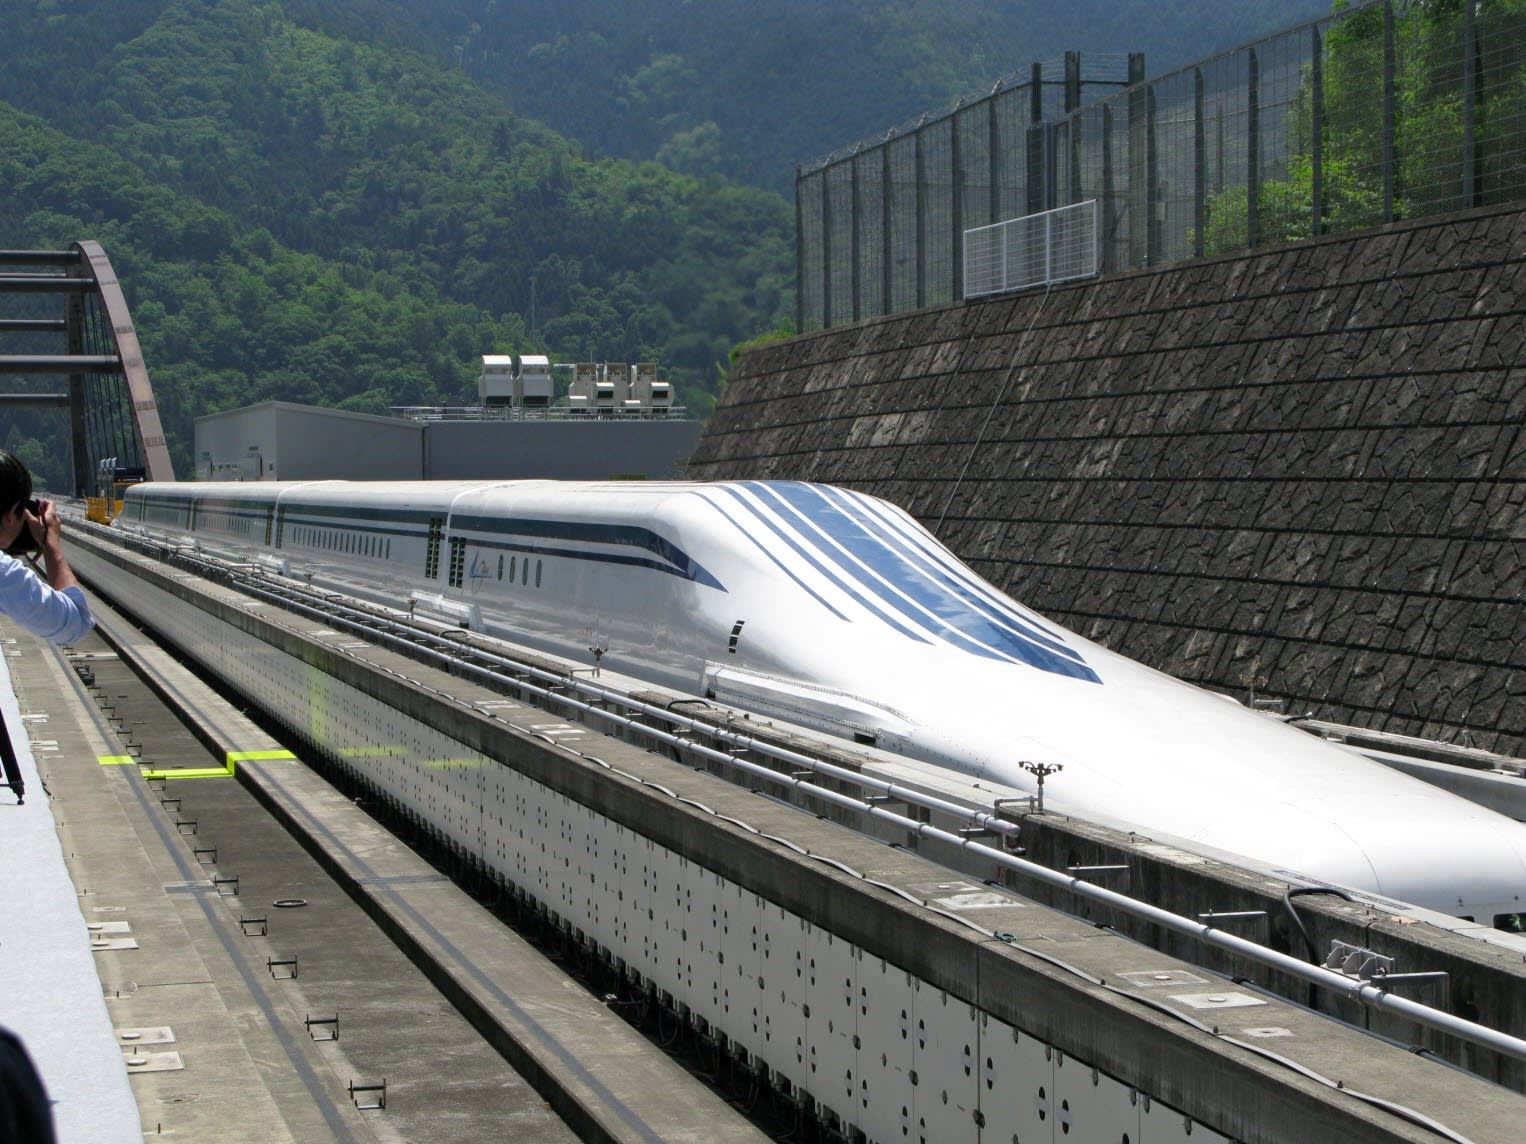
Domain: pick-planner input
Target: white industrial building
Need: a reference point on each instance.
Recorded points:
(278, 440)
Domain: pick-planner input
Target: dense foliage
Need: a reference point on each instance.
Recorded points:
(305, 217)
(1427, 124)
(750, 88)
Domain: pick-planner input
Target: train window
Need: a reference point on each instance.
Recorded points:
(432, 548)
(537, 573)
(524, 572)
(388, 552)
(513, 568)
(500, 566)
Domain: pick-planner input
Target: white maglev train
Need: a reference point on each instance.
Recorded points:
(838, 611)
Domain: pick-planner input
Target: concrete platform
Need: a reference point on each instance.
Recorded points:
(52, 997)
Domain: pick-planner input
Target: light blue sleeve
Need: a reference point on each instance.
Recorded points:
(62, 617)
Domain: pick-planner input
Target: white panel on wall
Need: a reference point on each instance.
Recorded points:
(1093, 1106)
(639, 905)
(741, 998)
(1162, 1124)
(831, 985)
(1016, 1085)
(885, 1001)
(944, 1037)
(702, 940)
(780, 936)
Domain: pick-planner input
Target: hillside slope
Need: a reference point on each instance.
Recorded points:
(237, 130)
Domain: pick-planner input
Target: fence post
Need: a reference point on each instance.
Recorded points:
(1388, 111)
(1199, 165)
(856, 268)
(826, 248)
(1036, 179)
(1072, 128)
(1139, 201)
(1153, 213)
(1107, 231)
(956, 208)
(887, 233)
(921, 193)
(993, 130)
(799, 255)
(1317, 135)
(1470, 187)
(1252, 148)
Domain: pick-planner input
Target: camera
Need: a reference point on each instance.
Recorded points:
(25, 543)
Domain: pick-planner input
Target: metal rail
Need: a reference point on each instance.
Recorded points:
(417, 642)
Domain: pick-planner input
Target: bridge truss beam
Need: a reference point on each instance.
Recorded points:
(112, 411)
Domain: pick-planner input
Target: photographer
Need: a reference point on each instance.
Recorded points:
(55, 609)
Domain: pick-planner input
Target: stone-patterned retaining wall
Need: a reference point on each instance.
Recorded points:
(1300, 470)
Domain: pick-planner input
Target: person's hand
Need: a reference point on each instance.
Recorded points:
(45, 524)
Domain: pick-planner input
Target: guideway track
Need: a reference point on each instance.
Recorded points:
(603, 1078)
(732, 831)
(615, 709)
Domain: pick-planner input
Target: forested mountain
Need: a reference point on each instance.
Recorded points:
(347, 201)
(750, 88)
(301, 216)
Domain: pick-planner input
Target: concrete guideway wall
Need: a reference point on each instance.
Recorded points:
(1299, 471)
(893, 1017)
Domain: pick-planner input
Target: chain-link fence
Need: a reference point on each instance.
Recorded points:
(1385, 110)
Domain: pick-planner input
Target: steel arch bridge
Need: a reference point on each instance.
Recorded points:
(75, 307)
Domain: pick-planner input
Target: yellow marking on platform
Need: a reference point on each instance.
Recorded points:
(253, 756)
(234, 757)
(373, 752)
(190, 773)
(114, 760)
